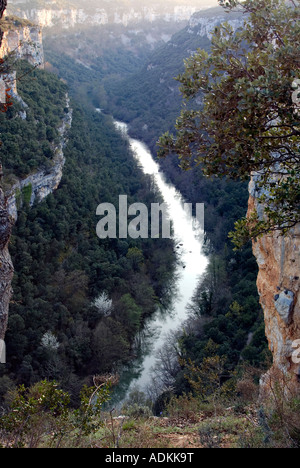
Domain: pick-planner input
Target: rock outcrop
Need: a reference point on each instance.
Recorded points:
(6, 267)
(24, 40)
(278, 283)
(42, 183)
(203, 24)
(51, 15)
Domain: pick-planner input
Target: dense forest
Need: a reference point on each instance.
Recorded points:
(27, 141)
(81, 305)
(226, 317)
(78, 302)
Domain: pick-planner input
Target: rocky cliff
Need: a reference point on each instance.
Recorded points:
(278, 284)
(42, 183)
(24, 39)
(6, 267)
(203, 24)
(68, 14)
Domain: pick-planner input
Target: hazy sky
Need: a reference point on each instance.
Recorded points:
(209, 2)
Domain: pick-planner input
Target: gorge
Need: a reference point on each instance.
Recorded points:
(84, 306)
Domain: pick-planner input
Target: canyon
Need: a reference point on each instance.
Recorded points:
(24, 42)
(6, 266)
(71, 14)
(278, 257)
(42, 183)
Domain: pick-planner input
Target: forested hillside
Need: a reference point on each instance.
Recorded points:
(226, 317)
(225, 311)
(30, 127)
(149, 99)
(78, 302)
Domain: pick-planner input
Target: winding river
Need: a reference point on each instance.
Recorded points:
(188, 236)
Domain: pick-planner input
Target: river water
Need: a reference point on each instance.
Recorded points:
(188, 235)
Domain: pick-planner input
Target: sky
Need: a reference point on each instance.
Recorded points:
(201, 3)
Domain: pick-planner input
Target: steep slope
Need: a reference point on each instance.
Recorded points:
(150, 99)
(22, 38)
(278, 258)
(23, 177)
(33, 171)
(68, 14)
(6, 267)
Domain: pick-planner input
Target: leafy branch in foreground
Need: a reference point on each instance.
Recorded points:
(248, 123)
(41, 416)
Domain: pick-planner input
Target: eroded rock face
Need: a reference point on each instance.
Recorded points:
(278, 285)
(42, 182)
(109, 14)
(26, 43)
(6, 267)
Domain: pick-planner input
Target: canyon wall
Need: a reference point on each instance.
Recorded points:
(278, 283)
(203, 24)
(71, 17)
(25, 42)
(42, 183)
(6, 267)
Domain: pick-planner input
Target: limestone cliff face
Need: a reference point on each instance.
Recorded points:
(6, 267)
(26, 42)
(204, 23)
(71, 17)
(42, 183)
(278, 284)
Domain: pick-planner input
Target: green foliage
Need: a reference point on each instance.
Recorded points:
(11, 23)
(32, 411)
(248, 121)
(26, 194)
(27, 144)
(61, 266)
(229, 286)
(41, 417)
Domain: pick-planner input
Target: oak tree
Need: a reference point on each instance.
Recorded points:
(249, 120)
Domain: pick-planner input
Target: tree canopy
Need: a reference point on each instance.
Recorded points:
(248, 122)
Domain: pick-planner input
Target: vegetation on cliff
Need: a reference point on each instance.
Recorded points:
(62, 328)
(59, 325)
(10, 23)
(248, 122)
(28, 143)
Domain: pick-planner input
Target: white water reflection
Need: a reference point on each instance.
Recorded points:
(189, 241)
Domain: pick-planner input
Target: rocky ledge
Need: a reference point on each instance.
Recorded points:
(42, 183)
(278, 282)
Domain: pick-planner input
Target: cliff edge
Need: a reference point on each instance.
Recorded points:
(6, 267)
(24, 40)
(278, 283)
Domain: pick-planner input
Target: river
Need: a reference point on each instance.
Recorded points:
(188, 236)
